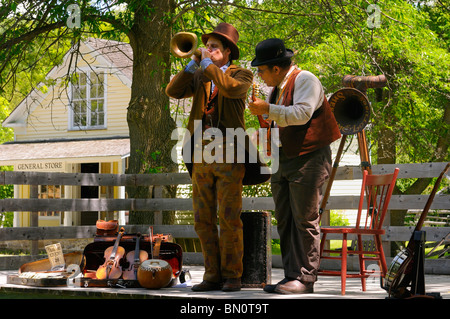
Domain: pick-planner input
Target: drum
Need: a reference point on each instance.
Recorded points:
(154, 274)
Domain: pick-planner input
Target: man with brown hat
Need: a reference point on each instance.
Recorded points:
(218, 88)
(298, 107)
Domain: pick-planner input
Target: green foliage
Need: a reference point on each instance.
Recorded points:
(417, 67)
(147, 165)
(337, 219)
(6, 191)
(6, 133)
(276, 250)
(330, 39)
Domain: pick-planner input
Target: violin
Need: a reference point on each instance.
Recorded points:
(111, 269)
(134, 258)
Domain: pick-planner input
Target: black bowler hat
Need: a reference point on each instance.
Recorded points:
(271, 51)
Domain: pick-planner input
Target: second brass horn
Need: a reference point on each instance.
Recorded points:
(184, 45)
(351, 109)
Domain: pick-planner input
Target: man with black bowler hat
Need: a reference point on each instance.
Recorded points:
(297, 106)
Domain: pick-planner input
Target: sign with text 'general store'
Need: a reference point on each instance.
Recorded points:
(39, 166)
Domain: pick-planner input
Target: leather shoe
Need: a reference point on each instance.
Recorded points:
(206, 286)
(295, 287)
(271, 288)
(232, 284)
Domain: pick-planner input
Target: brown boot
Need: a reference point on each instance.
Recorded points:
(232, 284)
(206, 286)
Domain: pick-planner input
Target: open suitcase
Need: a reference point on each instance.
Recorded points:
(160, 247)
(80, 267)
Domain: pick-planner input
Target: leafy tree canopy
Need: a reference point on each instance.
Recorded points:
(407, 41)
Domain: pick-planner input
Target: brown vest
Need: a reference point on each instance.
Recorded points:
(321, 130)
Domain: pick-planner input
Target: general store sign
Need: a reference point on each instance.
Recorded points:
(40, 166)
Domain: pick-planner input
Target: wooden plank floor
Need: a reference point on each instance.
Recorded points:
(325, 288)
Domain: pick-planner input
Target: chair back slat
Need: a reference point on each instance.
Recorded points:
(378, 192)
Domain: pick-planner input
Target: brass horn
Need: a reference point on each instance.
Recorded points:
(351, 109)
(350, 105)
(184, 45)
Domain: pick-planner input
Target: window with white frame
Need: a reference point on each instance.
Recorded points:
(88, 101)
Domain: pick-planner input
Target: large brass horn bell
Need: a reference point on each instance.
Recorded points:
(184, 45)
(351, 109)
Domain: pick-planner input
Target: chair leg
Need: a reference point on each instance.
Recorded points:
(382, 257)
(344, 264)
(362, 266)
(322, 243)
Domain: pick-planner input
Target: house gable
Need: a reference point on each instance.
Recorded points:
(45, 113)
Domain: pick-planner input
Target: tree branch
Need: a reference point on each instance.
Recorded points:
(29, 36)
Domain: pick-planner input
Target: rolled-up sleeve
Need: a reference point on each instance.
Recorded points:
(308, 97)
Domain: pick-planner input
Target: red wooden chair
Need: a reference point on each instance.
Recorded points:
(378, 190)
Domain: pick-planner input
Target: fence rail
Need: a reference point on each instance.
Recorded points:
(393, 233)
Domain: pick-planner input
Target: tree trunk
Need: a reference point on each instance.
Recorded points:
(386, 154)
(149, 120)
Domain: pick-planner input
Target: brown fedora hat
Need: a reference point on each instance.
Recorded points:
(226, 32)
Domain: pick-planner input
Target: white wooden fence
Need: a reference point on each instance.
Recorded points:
(35, 205)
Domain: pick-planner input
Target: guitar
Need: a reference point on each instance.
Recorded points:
(399, 274)
(111, 269)
(262, 122)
